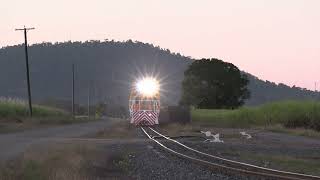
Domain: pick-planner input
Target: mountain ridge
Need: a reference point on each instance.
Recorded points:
(109, 68)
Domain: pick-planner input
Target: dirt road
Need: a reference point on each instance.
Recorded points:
(15, 143)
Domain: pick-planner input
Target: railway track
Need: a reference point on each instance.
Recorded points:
(219, 163)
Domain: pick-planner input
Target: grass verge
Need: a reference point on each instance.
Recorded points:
(287, 163)
(13, 109)
(14, 116)
(290, 114)
(294, 131)
(66, 162)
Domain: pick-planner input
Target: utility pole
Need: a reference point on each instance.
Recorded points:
(89, 101)
(73, 108)
(94, 101)
(315, 91)
(24, 29)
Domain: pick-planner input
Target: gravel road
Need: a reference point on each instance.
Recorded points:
(142, 159)
(13, 144)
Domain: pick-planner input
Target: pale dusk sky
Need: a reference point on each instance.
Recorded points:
(276, 40)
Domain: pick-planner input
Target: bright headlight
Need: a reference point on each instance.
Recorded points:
(147, 86)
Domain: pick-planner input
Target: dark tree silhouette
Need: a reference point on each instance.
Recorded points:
(212, 83)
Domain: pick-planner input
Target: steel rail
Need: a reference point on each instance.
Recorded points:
(298, 175)
(240, 163)
(215, 165)
(266, 171)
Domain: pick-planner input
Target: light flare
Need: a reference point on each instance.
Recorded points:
(148, 86)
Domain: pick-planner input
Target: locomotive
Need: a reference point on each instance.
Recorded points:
(144, 102)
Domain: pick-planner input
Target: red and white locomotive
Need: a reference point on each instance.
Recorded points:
(144, 102)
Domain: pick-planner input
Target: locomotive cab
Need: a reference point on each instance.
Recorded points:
(144, 102)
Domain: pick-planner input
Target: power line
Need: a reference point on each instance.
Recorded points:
(24, 29)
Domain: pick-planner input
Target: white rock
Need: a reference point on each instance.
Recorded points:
(215, 137)
(248, 136)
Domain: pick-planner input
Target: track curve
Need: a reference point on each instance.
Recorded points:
(227, 164)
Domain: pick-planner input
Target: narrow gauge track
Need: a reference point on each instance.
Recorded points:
(226, 164)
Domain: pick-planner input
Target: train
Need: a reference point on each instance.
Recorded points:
(144, 102)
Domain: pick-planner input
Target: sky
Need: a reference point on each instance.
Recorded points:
(275, 40)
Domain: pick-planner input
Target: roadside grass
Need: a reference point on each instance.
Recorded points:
(66, 162)
(297, 164)
(60, 163)
(294, 131)
(37, 122)
(283, 162)
(14, 116)
(10, 109)
(290, 114)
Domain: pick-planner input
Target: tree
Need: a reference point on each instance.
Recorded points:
(212, 83)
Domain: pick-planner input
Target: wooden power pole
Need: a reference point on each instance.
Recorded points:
(24, 29)
(89, 101)
(73, 107)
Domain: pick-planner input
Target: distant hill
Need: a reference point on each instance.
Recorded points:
(109, 68)
(266, 91)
